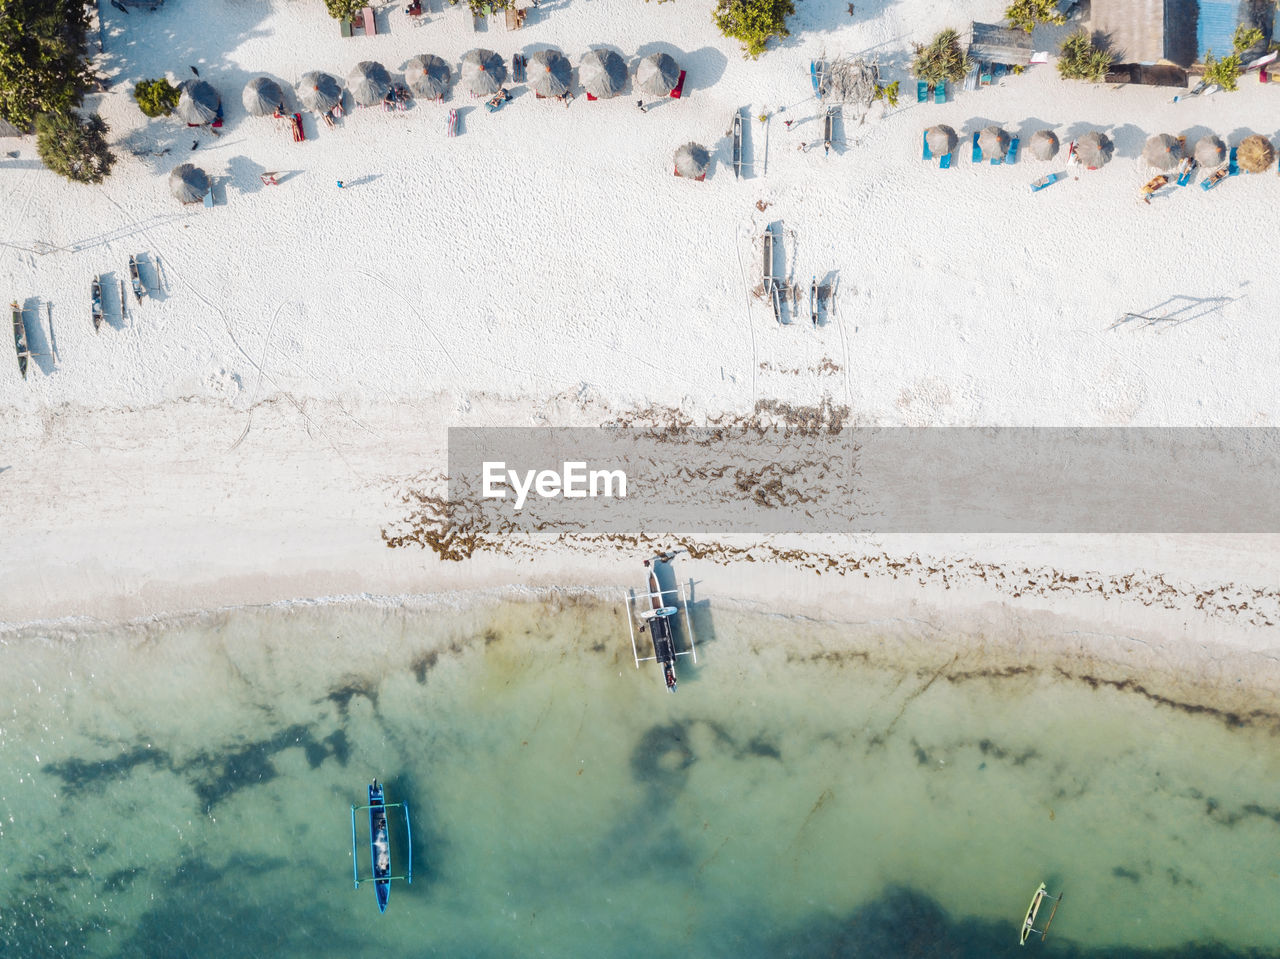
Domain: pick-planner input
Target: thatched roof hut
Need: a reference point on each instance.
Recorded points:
(692, 161)
(319, 91)
(1043, 145)
(1210, 151)
(602, 73)
(1162, 151)
(483, 71)
(1094, 149)
(198, 102)
(428, 76)
(657, 75)
(993, 142)
(549, 73)
(1255, 154)
(369, 82)
(188, 183)
(941, 139)
(262, 97)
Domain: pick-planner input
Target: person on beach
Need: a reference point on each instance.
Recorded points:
(641, 107)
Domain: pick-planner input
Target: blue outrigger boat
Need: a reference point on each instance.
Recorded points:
(380, 844)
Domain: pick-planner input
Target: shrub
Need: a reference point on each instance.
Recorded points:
(1025, 14)
(344, 9)
(43, 67)
(74, 147)
(477, 7)
(1081, 60)
(887, 93)
(1226, 72)
(753, 22)
(941, 60)
(156, 98)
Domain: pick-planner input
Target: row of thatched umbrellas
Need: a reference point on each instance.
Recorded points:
(1094, 149)
(602, 73)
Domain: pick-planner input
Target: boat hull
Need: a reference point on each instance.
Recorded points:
(20, 339)
(379, 845)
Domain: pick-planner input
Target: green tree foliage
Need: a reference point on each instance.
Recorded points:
(42, 63)
(344, 9)
(1025, 14)
(941, 60)
(156, 98)
(887, 93)
(1226, 72)
(753, 23)
(74, 147)
(1081, 60)
(483, 8)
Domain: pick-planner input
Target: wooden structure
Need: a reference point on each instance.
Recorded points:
(994, 43)
(515, 17)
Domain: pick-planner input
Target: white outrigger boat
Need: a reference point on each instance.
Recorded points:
(1029, 924)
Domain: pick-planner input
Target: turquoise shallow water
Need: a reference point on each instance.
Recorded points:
(183, 789)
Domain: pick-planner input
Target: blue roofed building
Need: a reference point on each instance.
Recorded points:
(1176, 31)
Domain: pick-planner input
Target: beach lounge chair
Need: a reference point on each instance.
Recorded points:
(1044, 181)
(515, 17)
(1012, 155)
(940, 92)
(945, 162)
(984, 73)
(344, 27)
(453, 123)
(922, 91)
(1209, 182)
(977, 151)
(370, 22)
(678, 92)
(1185, 169)
(1232, 167)
(926, 153)
(518, 65)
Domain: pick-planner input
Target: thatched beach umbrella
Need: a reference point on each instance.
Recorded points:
(993, 142)
(1210, 151)
(692, 161)
(369, 82)
(428, 76)
(484, 72)
(1094, 149)
(657, 75)
(1162, 151)
(941, 139)
(1043, 145)
(549, 73)
(198, 102)
(319, 91)
(602, 73)
(188, 183)
(1255, 154)
(262, 97)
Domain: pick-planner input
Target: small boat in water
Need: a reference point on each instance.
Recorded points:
(380, 844)
(97, 303)
(659, 618)
(20, 338)
(1029, 924)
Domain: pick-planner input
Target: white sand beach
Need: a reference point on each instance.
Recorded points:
(243, 435)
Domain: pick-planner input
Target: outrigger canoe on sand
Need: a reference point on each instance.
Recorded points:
(20, 338)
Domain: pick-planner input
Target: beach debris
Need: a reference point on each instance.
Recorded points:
(692, 161)
(848, 80)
